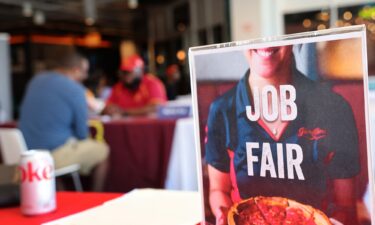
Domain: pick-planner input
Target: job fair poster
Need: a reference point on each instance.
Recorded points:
(282, 129)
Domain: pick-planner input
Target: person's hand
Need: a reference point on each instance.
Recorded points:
(221, 218)
(335, 222)
(112, 110)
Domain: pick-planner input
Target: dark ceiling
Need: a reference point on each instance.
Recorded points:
(114, 18)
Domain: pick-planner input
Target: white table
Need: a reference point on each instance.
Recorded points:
(182, 168)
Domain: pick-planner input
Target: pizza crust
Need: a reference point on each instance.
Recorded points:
(311, 215)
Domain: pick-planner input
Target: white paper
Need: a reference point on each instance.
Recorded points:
(141, 207)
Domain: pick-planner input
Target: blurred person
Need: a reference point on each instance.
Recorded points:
(103, 89)
(173, 76)
(54, 116)
(136, 93)
(94, 105)
(99, 85)
(241, 141)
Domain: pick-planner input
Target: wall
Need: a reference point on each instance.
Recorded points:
(245, 19)
(291, 6)
(262, 18)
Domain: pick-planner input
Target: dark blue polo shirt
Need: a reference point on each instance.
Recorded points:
(333, 155)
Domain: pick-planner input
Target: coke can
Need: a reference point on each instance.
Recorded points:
(38, 189)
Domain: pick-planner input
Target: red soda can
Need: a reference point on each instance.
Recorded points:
(38, 189)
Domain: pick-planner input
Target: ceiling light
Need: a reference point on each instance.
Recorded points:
(39, 18)
(306, 23)
(89, 21)
(93, 39)
(324, 16)
(181, 55)
(348, 15)
(160, 59)
(90, 12)
(27, 9)
(321, 27)
(133, 4)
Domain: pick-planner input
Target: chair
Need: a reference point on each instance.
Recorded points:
(12, 144)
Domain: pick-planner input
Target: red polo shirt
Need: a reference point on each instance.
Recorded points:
(151, 90)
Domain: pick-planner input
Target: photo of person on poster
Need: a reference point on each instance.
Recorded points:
(278, 133)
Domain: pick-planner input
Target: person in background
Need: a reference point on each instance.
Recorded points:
(136, 93)
(327, 168)
(96, 88)
(94, 104)
(103, 89)
(54, 116)
(171, 83)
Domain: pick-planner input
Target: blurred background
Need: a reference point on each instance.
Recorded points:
(161, 31)
(158, 151)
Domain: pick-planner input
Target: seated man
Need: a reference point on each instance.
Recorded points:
(54, 116)
(136, 93)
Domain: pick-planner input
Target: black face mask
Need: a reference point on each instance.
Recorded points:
(134, 85)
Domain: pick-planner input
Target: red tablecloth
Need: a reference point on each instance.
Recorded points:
(140, 150)
(67, 203)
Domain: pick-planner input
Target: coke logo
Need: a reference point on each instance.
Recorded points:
(32, 173)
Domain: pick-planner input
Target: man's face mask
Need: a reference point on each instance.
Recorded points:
(132, 85)
(130, 80)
